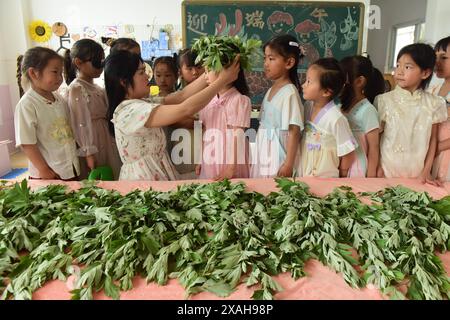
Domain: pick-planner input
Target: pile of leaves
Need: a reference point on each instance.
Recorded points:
(212, 237)
(215, 52)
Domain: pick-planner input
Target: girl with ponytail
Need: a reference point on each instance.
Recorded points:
(363, 84)
(281, 120)
(88, 107)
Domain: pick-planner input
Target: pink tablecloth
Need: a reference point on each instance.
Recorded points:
(320, 282)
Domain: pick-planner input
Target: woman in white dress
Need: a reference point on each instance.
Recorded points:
(137, 122)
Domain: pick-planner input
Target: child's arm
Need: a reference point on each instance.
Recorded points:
(187, 123)
(345, 164)
(165, 115)
(373, 154)
(83, 129)
(286, 169)
(425, 176)
(443, 145)
(35, 156)
(230, 168)
(380, 172)
(179, 96)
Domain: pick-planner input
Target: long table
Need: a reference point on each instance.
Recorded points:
(321, 282)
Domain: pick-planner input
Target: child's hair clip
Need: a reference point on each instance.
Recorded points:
(294, 44)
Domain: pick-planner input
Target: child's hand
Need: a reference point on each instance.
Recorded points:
(230, 74)
(198, 169)
(426, 178)
(285, 171)
(90, 160)
(48, 174)
(226, 173)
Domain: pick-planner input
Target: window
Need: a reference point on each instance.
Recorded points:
(404, 35)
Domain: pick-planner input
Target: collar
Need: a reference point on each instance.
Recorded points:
(406, 95)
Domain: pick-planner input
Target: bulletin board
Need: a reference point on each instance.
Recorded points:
(323, 29)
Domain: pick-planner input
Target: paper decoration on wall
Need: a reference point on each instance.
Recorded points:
(111, 31)
(163, 40)
(148, 48)
(60, 29)
(40, 31)
(129, 29)
(89, 32)
(76, 37)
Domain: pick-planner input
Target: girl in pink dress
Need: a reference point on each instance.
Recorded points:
(225, 149)
(441, 166)
(364, 83)
(88, 108)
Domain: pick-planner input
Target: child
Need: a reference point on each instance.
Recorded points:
(281, 117)
(409, 117)
(137, 123)
(126, 44)
(328, 146)
(224, 120)
(189, 71)
(441, 166)
(364, 83)
(41, 119)
(166, 74)
(88, 108)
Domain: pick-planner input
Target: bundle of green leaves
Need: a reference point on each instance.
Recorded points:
(212, 237)
(216, 52)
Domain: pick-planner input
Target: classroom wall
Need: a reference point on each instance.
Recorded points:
(393, 12)
(438, 20)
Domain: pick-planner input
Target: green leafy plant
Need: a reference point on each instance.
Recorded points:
(216, 52)
(213, 237)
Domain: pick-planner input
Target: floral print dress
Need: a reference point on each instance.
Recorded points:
(142, 150)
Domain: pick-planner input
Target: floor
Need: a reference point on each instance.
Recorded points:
(18, 160)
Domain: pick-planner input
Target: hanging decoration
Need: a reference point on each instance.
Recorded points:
(40, 31)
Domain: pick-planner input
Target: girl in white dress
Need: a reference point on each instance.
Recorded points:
(328, 145)
(41, 119)
(409, 117)
(281, 118)
(137, 122)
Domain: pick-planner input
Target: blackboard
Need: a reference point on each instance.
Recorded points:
(323, 29)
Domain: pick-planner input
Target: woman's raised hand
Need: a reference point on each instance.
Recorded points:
(230, 73)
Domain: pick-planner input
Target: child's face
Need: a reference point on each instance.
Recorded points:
(141, 86)
(311, 87)
(50, 78)
(211, 76)
(443, 63)
(189, 74)
(275, 65)
(408, 74)
(165, 78)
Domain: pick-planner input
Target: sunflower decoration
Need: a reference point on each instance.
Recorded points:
(40, 31)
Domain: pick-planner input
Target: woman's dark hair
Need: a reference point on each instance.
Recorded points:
(85, 50)
(424, 56)
(332, 77)
(168, 61)
(123, 44)
(442, 44)
(187, 57)
(36, 58)
(288, 47)
(120, 68)
(357, 66)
